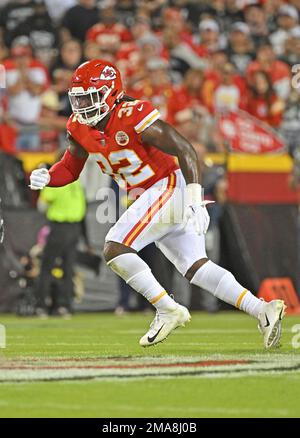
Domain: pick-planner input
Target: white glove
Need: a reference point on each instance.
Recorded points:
(195, 210)
(39, 179)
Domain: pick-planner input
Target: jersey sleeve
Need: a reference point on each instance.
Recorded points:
(144, 115)
(73, 130)
(70, 124)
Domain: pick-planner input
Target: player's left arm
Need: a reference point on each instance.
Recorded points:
(163, 136)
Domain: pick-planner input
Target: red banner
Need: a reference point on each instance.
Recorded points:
(247, 134)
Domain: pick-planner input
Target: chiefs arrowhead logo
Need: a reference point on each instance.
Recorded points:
(108, 73)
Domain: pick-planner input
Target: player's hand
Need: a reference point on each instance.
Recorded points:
(195, 211)
(39, 179)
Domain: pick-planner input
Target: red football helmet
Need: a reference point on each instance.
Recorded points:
(96, 86)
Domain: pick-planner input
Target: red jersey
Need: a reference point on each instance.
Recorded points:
(278, 71)
(181, 99)
(120, 152)
(268, 112)
(110, 34)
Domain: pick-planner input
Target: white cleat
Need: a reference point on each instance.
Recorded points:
(270, 322)
(163, 324)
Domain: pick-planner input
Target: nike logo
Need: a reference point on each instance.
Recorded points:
(267, 321)
(140, 108)
(280, 315)
(155, 336)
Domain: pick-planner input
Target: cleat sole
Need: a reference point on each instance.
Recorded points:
(275, 335)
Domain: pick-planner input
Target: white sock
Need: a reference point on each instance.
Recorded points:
(138, 275)
(222, 284)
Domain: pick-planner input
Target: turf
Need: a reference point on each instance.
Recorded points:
(96, 338)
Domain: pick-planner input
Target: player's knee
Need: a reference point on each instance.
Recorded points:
(114, 249)
(194, 268)
(110, 251)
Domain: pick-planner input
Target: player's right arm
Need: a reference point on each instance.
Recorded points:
(64, 172)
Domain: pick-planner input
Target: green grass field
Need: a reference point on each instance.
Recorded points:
(92, 366)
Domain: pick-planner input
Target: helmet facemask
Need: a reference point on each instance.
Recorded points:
(89, 107)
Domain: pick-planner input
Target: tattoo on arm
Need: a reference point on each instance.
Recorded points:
(163, 136)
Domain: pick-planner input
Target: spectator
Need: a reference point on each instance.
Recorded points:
(173, 18)
(140, 27)
(78, 19)
(108, 33)
(291, 53)
(180, 55)
(233, 14)
(214, 9)
(195, 124)
(210, 39)
(61, 80)
(156, 86)
(50, 123)
(12, 16)
(42, 34)
(125, 12)
(240, 48)
(91, 50)
(263, 103)
(26, 79)
(212, 76)
(188, 95)
(228, 95)
(288, 19)
(149, 46)
(65, 209)
(70, 56)
(278, 71)
(256, 19)
(191, 11)
(57, 8)
(134, 62)
(153, 9)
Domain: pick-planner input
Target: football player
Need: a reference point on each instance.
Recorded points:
(136, 148)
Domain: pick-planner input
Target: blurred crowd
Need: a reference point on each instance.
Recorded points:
(191, 58)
